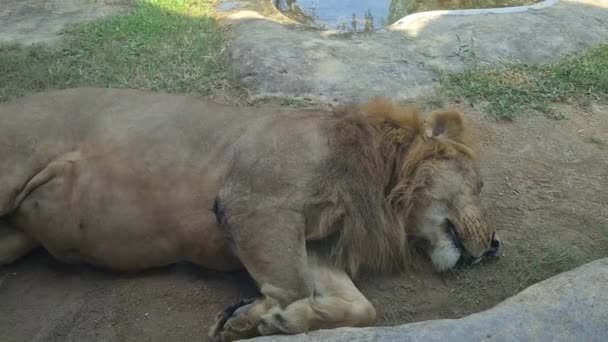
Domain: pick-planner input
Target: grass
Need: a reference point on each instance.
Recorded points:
(511, 90)
(171, 46)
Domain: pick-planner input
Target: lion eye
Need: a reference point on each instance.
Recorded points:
(453, 233)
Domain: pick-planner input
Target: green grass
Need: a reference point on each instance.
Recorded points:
(514, 89)
(163, 45)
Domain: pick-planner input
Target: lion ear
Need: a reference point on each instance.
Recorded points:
(447, 124)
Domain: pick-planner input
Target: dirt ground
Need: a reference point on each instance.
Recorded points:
(546, 189)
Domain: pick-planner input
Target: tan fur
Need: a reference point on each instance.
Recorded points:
(304, 200)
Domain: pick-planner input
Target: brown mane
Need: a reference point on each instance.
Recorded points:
(379, 175)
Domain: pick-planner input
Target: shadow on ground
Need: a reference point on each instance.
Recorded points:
(45, 300)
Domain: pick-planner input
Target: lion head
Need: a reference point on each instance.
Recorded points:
(433, 190)
(398, 179)
(440, 186)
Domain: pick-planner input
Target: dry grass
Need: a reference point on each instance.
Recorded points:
(171, 46)
(509, 91)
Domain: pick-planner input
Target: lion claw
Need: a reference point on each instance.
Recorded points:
(231, 325)
(225, 314)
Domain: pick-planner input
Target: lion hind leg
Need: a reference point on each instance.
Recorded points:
(14, 244)
(336, 303)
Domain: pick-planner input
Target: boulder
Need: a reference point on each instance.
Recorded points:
(571, 306)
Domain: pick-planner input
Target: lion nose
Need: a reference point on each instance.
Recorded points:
(494, 247)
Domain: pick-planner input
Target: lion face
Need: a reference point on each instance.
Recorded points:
(454, 223)
(452, 220)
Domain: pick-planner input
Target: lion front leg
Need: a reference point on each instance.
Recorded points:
(336, 302)
(271, 245)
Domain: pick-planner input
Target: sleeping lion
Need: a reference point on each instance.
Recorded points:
(304, 200)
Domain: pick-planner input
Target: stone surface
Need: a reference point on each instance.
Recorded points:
(572, 306)
(42, 21)
(273, 59)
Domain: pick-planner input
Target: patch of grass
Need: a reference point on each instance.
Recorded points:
(171, 46)
(513, 89)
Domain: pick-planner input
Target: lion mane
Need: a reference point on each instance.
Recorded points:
(372, 206)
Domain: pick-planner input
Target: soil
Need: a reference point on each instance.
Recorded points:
(546, 183)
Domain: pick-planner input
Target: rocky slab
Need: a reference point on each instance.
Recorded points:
(572, 306)
(402, 62)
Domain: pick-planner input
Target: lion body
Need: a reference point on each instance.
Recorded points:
(130, 180)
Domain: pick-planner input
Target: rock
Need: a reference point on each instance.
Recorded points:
(403, 61)
(28, 22)
(572, 306)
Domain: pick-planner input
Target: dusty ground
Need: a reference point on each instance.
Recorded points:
(546, 183)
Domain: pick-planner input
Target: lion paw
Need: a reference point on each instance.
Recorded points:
(233, 323)
(270, 325)
(276, 322)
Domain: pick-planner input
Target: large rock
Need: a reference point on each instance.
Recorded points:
(572, 306)
(272, 59)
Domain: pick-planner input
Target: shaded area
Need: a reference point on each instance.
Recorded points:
(45, 300)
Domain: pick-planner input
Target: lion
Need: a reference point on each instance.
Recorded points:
(304, 200)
